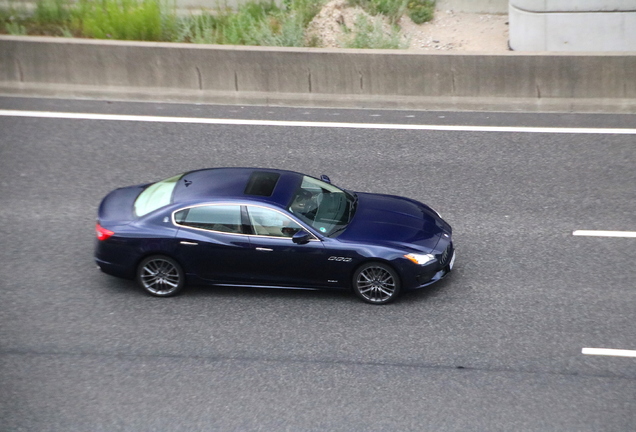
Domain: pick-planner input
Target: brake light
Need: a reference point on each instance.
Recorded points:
(102, 233)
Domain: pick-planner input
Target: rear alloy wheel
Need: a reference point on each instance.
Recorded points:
(376, 283)
(160, 276)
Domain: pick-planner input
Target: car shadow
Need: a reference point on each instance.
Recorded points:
(266, 293)
(126, 287)
(428, 293)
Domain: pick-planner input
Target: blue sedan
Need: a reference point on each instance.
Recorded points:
(273, 229)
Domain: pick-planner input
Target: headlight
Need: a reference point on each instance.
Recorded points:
(420, 259)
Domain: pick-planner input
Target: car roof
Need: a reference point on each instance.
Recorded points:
(267, 185)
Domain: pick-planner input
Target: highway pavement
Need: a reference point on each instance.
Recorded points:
(496, 346)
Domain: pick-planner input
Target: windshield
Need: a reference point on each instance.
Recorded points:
(155, 196)
(322, 206)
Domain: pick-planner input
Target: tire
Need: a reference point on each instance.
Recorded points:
(376, 283)
(160, 276)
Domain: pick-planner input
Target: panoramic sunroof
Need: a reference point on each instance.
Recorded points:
(261, 183)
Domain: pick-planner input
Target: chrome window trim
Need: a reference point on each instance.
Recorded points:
(174, 222)
(283, 238)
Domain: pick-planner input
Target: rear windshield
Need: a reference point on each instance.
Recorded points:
(155, 196)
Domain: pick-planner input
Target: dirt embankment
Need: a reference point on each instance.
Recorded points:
(449, 30)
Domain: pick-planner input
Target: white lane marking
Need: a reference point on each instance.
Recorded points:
(216, 121)
(595, 233)
(609, 352)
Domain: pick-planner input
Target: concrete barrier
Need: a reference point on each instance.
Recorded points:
(573, 25)
(316, 77)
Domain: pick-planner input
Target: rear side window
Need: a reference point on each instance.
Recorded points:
(222, 218)
(155, 196)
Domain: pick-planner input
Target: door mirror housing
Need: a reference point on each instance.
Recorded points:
(325, 178)
(301, 237)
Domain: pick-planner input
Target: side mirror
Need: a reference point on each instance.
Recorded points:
(325, 178)
(301, 237)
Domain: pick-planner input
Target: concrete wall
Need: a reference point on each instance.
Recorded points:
(474, 6)
(304, 76)
(574, 5)
(573, 25)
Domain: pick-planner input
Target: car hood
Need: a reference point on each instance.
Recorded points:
(395, 221)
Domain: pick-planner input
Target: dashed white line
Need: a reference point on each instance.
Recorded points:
(243, 122)
(596, 233)
(609, 352)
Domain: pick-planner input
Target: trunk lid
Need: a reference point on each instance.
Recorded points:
(117, 207)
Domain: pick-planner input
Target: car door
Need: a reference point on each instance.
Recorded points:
(277, 260)
(211, 242)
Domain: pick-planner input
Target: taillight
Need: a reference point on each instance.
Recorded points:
(102, 233)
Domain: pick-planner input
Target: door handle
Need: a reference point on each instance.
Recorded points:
(264, 249)
(187, 243)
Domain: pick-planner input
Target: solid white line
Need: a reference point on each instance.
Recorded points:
(216, 121)
(595, 233)
(609, 352)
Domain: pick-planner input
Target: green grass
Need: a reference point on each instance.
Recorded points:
(122, 19)
(419, 11)
(51, 12)
(370, 34)
(256, 22)
(393, 9)
(102, 19)
(15, 29)
(12, 19)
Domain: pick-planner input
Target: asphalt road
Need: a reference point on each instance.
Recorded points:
(495, 346)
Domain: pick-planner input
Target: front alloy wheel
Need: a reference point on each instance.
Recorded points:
(376, 283)
(160, 276)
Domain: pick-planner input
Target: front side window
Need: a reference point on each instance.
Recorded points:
(322, 205)
(222, 218)
(155, 196)
(271, 223)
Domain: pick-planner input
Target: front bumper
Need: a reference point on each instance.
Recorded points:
(415, 278)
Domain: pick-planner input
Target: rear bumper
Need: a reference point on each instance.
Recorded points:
(114, 269)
